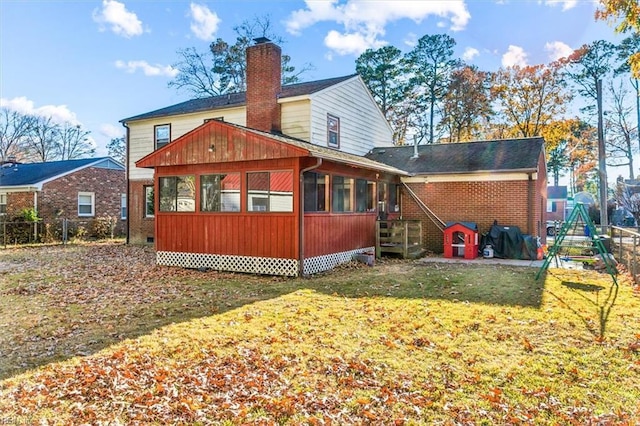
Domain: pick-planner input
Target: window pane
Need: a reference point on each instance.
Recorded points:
(186, 190)
(316, 192)
(342, 192)
(162, 135)
(123, 206)
(230, 187)
(149, 206)
(210, 194)
(361, 195)
(333, 131)
(168, 194)
(258, 192)
(220, 193)
(281, 191)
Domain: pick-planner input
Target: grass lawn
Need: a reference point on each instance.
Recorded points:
(97, 334)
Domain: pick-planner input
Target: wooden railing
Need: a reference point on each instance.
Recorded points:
(402, 237)
(626, 249)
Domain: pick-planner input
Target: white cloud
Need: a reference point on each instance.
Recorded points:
(345, 44)
(147, 69)
(566, 4)
(58, 113)
(470, 53)
(515, 56)
(111, 131)
(115, 15)
(364, 22)
(411, 40)
(557, 50)
(205, 22)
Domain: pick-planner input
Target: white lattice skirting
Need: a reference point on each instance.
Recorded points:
(326, 262)
(219, 262)
(257, 265)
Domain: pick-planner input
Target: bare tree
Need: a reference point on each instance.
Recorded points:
(222, 69)
(42, 143)
(620, 132)
(117, 149)
(15, 128)
(73, 142)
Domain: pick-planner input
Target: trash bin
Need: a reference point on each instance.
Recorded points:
(606, 242)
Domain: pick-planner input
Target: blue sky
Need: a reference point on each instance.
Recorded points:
(96, 62)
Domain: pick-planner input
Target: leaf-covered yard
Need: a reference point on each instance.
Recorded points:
(97, 334)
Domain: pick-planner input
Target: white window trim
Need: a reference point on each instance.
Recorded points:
(144, 190)
(123, 206)
(4, 195)
(93, 204)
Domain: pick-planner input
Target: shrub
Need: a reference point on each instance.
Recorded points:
(103, 227)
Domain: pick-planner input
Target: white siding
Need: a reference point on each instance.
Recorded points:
(362, 124)
(295, 116)
(141, 133)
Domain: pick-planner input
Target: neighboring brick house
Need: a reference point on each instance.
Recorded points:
(557, 203)
(481, 182)
(79, 190)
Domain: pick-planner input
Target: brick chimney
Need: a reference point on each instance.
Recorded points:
(264, 76)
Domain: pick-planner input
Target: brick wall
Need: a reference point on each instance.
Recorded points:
(18, 201)
(140, 228)
(264, 65)
(59, 198)
(507, 202)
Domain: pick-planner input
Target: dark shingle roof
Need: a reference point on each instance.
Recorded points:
(236, 99)
(467, 157)
(34, 173)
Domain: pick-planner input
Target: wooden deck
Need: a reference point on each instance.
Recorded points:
(402, 237)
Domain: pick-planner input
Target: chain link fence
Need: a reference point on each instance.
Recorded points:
(17, 232)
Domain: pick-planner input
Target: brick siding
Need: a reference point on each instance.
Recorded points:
(506, 202)
(18, 201)
(141, 228)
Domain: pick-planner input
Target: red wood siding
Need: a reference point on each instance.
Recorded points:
(228, 143)
(241, 234)
(260, 234)
(334, 233)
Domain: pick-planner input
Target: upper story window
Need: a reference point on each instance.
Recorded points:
(3, 203)
(333, 131)
(177, 194)
(162, 134)
(220, 193)
(86, 203)
(270, 191)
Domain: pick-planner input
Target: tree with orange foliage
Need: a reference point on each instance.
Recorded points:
(626, 14)
(466, 104)
(528, 98)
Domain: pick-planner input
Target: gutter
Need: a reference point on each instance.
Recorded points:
(126, 176)
(301, 227)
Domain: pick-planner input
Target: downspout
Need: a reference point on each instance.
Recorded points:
(126, 176)
(35, 209)
(530, 201)
(301, 233)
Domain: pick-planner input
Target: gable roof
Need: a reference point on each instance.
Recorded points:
(465, 157)
(36, 174)
(236, 99)
(228, 138)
